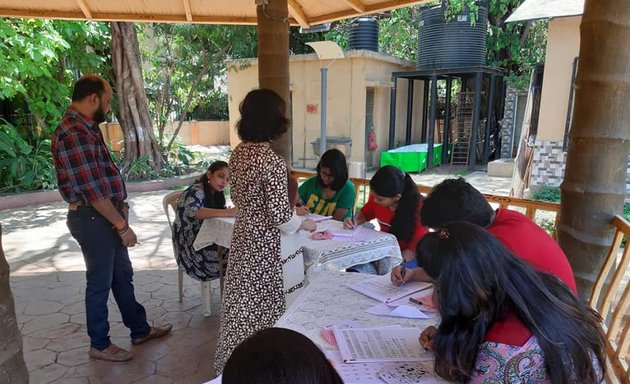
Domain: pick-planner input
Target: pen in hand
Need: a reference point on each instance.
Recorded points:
(403, 271)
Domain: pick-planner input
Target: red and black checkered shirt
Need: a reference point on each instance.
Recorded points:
(85, 169)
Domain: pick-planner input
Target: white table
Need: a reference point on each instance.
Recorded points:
(327, 301)
(219, 231)
(318, 255)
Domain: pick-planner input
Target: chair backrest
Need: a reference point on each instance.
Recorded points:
(612, 303)
(170, 200)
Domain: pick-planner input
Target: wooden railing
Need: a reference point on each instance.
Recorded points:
(530, 207)
(611, 298)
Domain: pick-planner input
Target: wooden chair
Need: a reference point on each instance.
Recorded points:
(169, 202)
(612, 304)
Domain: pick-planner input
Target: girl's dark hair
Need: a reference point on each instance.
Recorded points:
(279, 356)
(212, 199)
(334, 160)
(455, 200)
(263, 116)
(478, 281)
(389, 181)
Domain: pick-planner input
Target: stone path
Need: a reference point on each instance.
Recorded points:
(48, 283)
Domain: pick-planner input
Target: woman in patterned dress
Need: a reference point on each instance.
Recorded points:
(254, 296)
(200, 201)
(548, 335)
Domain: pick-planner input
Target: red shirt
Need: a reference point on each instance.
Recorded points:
(529, 242)
(384, 216)
(85, 169)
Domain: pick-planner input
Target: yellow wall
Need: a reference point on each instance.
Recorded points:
(348, 79)
(563, 45)
(192, 132)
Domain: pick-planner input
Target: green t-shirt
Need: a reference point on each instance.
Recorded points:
(311, 194)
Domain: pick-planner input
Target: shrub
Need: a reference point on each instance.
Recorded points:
(24, 166)
(547, 193)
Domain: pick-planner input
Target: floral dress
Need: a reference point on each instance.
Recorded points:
(201, 265)
(253, 296)
(507, 364)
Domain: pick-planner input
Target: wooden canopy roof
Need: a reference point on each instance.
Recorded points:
(302, 12)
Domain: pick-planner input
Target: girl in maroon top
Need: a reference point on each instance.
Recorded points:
(395, 202)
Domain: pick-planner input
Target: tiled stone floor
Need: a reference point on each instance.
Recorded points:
(48, 279)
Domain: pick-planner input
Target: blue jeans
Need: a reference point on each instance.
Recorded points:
(108, 267)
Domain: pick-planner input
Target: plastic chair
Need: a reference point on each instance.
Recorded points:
(611, 299)
(170, 200)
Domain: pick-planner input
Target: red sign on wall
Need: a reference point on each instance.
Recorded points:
(312, 108)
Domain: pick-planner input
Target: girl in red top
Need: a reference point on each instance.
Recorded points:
(395, 202)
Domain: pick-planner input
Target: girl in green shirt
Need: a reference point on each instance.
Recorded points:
(330, 193)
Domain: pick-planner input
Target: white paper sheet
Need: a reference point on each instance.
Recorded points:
(361, 234)
(407, 373)
(215, 381)
(406, 311)
(371, 345)
(382, 289)
(360, 373)
(317, 218)
(429, 311)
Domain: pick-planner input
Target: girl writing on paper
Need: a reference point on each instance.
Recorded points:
(330, 193)
(395, 202)
(503, 321)
(202, 200)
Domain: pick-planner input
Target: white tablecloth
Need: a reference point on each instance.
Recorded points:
(319, 255)
(219, 231)
(327, 301)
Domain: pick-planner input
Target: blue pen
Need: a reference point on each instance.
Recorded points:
(352, 218)
(403, 271)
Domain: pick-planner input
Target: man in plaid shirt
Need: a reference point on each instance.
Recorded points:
(97, 218)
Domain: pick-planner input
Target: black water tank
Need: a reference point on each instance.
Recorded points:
(363, 34)
(454, 43)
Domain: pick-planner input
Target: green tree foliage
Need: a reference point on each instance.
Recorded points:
(39, 62)
(40, 59)
(516, 47)
(185, 68)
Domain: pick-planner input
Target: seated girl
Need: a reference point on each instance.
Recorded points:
(279, 356)
(395, 202)
(200, 201)
(330, 193)
(546, 334)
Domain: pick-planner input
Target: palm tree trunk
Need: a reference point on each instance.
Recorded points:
(594, 184)
(133, 106)
(12, 367)
(273, 60)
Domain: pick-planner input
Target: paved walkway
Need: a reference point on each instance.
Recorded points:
(48, 279)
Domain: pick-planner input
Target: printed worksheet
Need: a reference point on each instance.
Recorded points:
(382, 289)
(360, 373)
(382, 344)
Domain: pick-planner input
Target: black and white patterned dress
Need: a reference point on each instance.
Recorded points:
(253, 297)
(201, 265)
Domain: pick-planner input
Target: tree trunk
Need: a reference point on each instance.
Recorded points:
(12, 367)
(205, 68)
(193, 88)
(273, 61)
(594, 184)
(133, 107)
